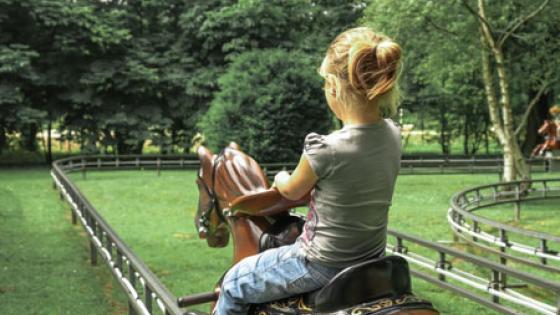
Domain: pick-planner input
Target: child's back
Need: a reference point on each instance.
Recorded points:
(357, 167)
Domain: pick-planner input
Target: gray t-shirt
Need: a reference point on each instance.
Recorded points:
(357, 167)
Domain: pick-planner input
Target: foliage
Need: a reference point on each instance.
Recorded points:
(442, 74)
(116, 75)
(268, 101)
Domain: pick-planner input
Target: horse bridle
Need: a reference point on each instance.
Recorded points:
(204, 219)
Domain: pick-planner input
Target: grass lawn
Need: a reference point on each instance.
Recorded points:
(154, 215)
(44, 266)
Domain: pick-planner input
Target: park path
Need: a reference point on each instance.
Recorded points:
(44, 266)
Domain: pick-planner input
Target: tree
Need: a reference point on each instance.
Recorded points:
(268, 101)
(446, 59)
(501, 113)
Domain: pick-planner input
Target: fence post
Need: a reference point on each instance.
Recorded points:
(517, 204)
(73, 212)
(109, 245)
(495, 284)
(517, 211)
(132, 280)
(502, 276)
(92, 249)
(148, 297)
(400, 247)
(158, 163)
(93, 253)
(544, 249)
(476, 229)
(442, 265)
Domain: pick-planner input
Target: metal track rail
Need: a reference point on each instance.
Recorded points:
(469, 226)
(497, 283)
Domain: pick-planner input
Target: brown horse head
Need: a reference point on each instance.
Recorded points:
(221, 179)
(545, 128)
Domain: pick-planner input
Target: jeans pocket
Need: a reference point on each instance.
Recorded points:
(305, 281)
(323, 274)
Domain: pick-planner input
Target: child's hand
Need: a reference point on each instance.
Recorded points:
(281, 177)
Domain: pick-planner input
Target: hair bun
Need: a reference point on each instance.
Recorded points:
(373, 66)
(365, 67)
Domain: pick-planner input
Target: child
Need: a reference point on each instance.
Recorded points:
(352, 171)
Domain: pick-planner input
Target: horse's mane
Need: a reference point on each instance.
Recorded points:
(232, 173)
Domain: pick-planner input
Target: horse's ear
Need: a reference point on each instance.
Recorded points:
(234, 145)
(205, 158)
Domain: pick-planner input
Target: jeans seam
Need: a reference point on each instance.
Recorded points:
(264, 271)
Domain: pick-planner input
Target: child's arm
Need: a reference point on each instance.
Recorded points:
(298, 184)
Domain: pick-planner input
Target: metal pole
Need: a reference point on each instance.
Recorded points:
(544, 249)
(132, 280)
(476, 229)
(92, 249)
(502, 276)
(495, 284)
(74, 218)
(148, 298)
(441, 264)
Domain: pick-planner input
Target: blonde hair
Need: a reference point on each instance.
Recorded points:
(364, 68)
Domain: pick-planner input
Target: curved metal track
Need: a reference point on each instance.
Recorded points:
(143, 288)
(481, 231)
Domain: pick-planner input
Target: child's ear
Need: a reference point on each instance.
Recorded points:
(332, 85)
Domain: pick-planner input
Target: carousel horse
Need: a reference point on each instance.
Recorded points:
(235, 199)
(549, 130)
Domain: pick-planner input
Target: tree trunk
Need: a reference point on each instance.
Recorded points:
(49, 143)
(486, 136)
(29, 137)
(443, 134)
(173, 140)
(3, 138)
(466, 134)
(514, 163)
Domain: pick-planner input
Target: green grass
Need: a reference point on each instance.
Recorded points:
(155, 216)
(47, 258)
(44, 266)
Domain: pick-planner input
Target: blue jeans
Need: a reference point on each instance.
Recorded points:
(275, 274)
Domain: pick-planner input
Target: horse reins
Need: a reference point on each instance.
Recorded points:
(214, 203)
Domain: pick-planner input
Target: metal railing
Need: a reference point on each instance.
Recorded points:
(498, 284)
(469, 226)
(144, 289)
(446, 165)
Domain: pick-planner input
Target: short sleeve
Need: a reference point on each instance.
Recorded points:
(319, 154)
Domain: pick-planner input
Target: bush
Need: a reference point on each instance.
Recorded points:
(268, 100)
